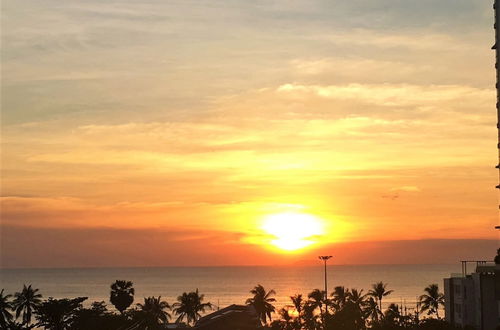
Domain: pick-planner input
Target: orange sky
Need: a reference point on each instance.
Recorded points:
(181, 127)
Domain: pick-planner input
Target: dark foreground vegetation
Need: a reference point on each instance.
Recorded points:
(342, 309)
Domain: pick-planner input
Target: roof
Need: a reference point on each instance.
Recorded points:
(233, 317)
(487, 268)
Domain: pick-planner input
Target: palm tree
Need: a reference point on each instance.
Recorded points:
(350, 313)
(154, 312)
(379, 291)
(5, 308)
(392, 315)
(298, 302)
(317, 298)
(298, 305)
(371, 310)
(286, 321)
(262, 302)
(311, 318)
(190, 306)
(340, 295)
(122, 295)
(431, 300)
(25, 302)
(357, 299)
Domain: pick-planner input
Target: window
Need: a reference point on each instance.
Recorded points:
(458, 310)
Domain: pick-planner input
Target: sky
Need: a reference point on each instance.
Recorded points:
(168, 133)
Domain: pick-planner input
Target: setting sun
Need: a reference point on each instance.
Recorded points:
(292, 231)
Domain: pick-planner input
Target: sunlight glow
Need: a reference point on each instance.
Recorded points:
(293, 231)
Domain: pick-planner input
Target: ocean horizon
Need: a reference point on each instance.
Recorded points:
(296, 264)
(226, 285)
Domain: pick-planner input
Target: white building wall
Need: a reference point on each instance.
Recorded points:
(473, 300)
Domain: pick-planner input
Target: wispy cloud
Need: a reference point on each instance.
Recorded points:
(407, 189)
(137, 114)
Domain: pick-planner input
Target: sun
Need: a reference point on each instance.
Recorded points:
(292, 231)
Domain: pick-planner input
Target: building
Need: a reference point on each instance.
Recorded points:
(473, 299)
(233, 317)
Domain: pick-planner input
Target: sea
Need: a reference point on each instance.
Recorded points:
(223, 286)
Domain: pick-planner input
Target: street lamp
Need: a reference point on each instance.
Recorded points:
(325, 258)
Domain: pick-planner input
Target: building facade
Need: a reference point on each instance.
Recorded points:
(474, 299)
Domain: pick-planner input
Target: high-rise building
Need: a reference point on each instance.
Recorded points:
(473, 299)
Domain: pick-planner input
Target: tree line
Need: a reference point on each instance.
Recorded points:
(26, 310)
(351, 309)
(342, 309)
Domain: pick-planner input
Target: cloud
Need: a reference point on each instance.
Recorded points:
(107, 246)
(414, 40)
(69, 211)
(195, 114)
(113, 247)
(389, 95)
(406, 189)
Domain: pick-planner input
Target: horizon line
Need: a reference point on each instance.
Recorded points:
(228, 266)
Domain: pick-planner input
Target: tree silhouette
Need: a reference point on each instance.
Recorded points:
(357, 301)
(392, 316)
(99, 308)
(190, 306)
(122, 295)
(153, 312)
(298, 304)
(372, 311)
(262, 302)
(378, 292)
(5, 308)
(431, 300)
(286, 321)
(497, 257)
(98, 317)
(340, 295)
(316, 298)
(25, 303)
(14, 325)
(348, 310)
(310, 318)
(58, 314)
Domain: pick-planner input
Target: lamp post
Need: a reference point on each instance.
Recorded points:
(325, 259)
